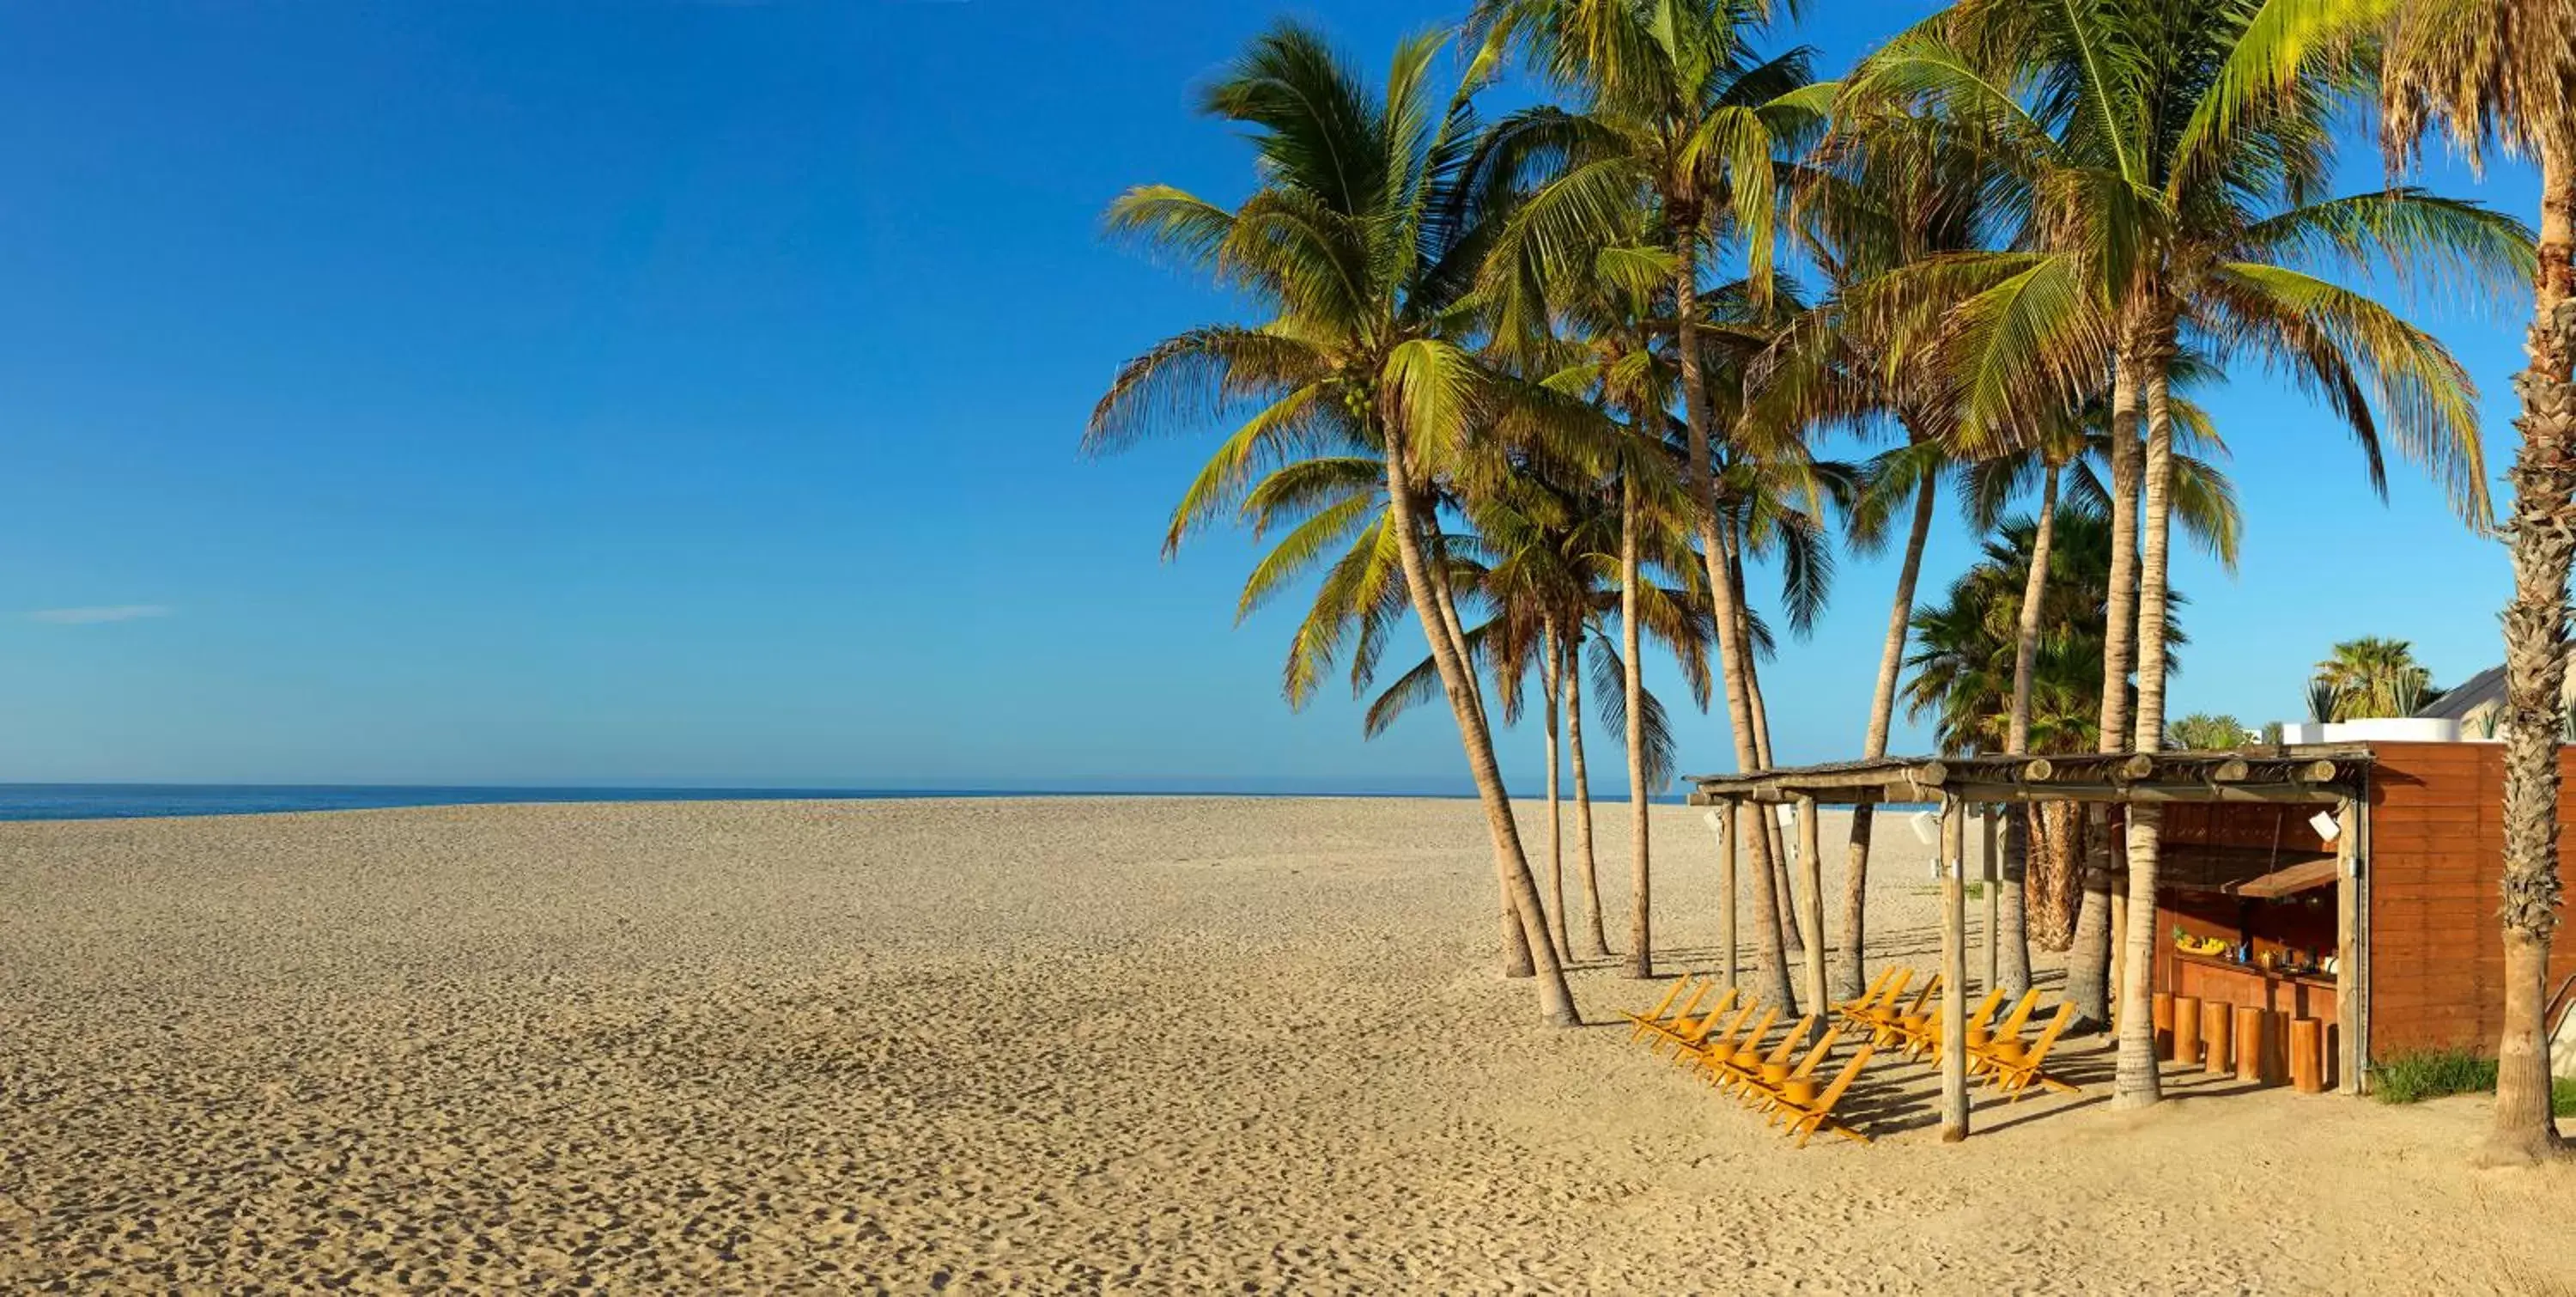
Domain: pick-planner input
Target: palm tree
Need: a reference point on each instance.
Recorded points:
(2204, 732)
(1358, 242)
(1674, 109)
(2062, 449)
(2499, 71)
(1962, 673)
(2372, 676)
(2180, 155)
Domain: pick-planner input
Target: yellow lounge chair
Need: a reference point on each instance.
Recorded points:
(1806, 1118)
(1871, 1011)
(1869, 996)
(1648, 1021)
(1745, 1066)
(1765, 1094)
(1691, 1036)
(1927, 1038)
(1891, 1025)
(1714, 1054)
(2017, 1069)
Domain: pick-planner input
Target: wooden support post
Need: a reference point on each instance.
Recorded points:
(1811, 909)
(2348, 947)
(1993, 886)
(1736, 811)
(2119, 930)
(1954, 972)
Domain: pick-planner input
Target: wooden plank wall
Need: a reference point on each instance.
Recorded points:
(2437, 853)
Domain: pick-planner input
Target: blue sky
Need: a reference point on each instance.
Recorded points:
(690, 392)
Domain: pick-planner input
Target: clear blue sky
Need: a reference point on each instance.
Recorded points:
(690, 391)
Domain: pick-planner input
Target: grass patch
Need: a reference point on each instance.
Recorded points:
(2413, 1078)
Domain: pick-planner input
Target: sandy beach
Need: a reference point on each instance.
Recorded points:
(1086, 1044)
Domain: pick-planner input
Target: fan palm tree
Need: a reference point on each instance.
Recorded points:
(1674, 109)
(2204, 732)
(2504, 72)
(2372, 676)
(2177, 158)
(1359, 243)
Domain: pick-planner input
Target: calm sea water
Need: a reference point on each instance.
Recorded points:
(129, 801)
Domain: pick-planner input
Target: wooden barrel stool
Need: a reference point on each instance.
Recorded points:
(2164, 1018)
(2253, 1045)
(2215, 1019)
(2186, 1029)
(2307, 1055)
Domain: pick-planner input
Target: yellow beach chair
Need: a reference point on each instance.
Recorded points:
(1805, 1118)
(1881, 1003)
(1890, 1026)
(2016, 1069)
(1649, 1021)
(1870, 995)
(1688, 1037)
(1715, 1054)
(1926, 1038)
(1763, 1093)
(1746, 1066)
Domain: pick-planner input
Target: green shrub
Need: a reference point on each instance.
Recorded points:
(2562, 1096)
(2411, 1078)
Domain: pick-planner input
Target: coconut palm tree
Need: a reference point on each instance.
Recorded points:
(2500, 72)
(1358, 243)
(2372, 676)
(1674, 108)
(2178, 158)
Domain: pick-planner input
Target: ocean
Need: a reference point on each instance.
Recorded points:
(132, 801)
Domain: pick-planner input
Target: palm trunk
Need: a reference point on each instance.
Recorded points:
(1571, 673)
(2013, 892)
(1733, 651)
(1882, 716)
(1556, 999)
(2137, 1084)
(2088, 965)
(1515, 956)
(1782, 889)
(1641, 910)
(2054, 827)
(1552, 657)
(2543, 531)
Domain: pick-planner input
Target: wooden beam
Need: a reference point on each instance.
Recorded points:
(1811, 905)
(1954, 972)
(2246, 794)
(1993, 890)
(2231, 771)
(1735, 813)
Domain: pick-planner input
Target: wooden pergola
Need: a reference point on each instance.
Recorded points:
(2323, 775)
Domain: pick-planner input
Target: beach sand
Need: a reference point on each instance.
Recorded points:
(1149, 1044)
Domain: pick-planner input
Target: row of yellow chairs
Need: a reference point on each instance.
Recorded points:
(1995, 1050)
(1731, 1047)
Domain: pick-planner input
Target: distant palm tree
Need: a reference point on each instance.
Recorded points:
(1359, 244)
(2203, 732)
(2372, 676)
